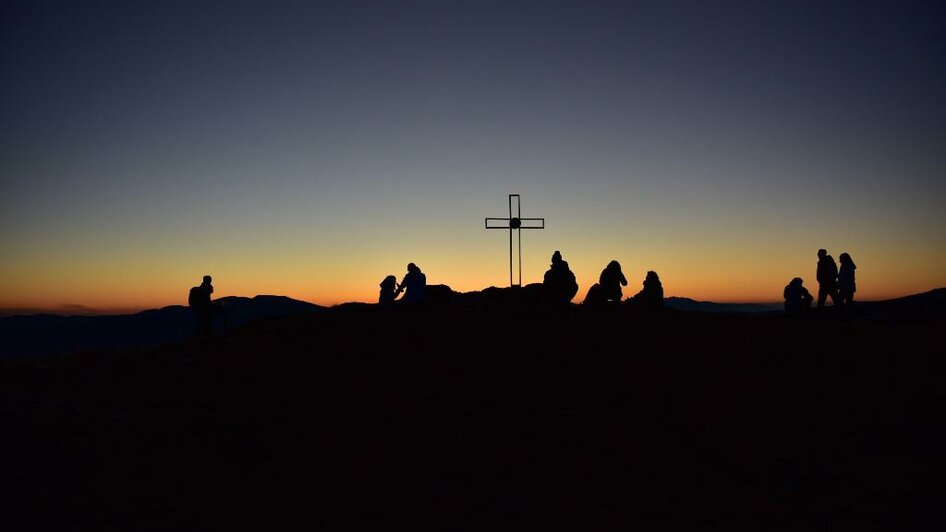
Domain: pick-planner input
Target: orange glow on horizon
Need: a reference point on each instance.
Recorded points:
(706, 264)
(129, 295)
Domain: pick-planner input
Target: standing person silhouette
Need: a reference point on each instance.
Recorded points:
(415, 282)
(611, 281)
(199, 300)
(846, 285)
(559, 281)
(827, 275)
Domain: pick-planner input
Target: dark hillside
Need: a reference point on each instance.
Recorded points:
(453, 417)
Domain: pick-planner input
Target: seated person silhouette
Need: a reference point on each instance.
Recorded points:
(415, 283)
(559, 282)
(611, 281)
(387, 295)
(652, 295)
(199, 300)
(797, 298)
(608, 287)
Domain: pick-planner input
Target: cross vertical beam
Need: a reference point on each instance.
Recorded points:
(515, 223)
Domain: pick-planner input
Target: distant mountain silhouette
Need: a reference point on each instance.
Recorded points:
(925, 306)
(47, 334)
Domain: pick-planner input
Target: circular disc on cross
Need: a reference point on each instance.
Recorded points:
(515, 223)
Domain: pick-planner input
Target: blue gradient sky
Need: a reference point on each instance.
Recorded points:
(311, 148)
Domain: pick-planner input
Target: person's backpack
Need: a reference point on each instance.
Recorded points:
(193, 298)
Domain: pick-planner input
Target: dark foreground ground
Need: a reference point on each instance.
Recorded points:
(357, 418)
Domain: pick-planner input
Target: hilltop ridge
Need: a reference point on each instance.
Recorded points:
(463, 415)
(47, 334)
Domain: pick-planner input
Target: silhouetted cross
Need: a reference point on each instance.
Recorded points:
(515, 223)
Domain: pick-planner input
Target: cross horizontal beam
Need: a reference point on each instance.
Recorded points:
(525, 223)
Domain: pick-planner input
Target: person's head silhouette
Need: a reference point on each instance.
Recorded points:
(822, 253)
(796, 282)
(844, 258)
(556, 257)
(652, 276)
(412, 267)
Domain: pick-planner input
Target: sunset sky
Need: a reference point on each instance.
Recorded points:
(311, 148)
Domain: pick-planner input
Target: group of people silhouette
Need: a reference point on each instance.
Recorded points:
(413, 285)
(836, 283)
(560, 287)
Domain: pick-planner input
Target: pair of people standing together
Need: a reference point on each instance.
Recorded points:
(833, 282)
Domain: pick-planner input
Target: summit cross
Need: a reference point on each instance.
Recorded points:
(514, 224)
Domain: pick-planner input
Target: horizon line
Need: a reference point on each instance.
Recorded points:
(72, 309)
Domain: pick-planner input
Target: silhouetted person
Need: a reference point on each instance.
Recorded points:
(388, 286)
(415, 282)
(559, 282)
(199, 300)
(611, 281)
(652, 295)
(827, 278)
(595, 296)
(846, 285)
(797, 298)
